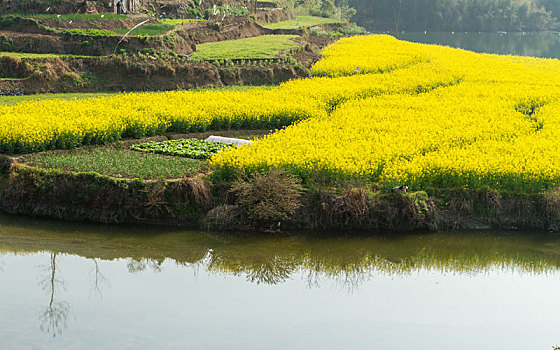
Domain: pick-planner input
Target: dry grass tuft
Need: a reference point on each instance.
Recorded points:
(268, 197)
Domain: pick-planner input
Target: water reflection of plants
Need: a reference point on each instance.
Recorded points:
(530, 44)
(357, 262)
(99, 281)
(54, 318)
(275, 259)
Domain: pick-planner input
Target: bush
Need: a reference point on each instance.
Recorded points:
(268, 197)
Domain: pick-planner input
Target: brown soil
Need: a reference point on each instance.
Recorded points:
(12, 67)
(196, 202)
(272, 16)
(72, 74)
(60, 6)
(182, 41)
(310, 51)
(107, 24)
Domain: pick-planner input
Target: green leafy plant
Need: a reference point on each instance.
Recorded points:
(191, 148)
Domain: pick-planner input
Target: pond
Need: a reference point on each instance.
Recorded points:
(522, 44)
(82, 286)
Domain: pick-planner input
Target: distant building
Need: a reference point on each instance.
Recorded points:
(128, 5)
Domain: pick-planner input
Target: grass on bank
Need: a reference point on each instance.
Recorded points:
(70, 16)
(301, 22)
(12, 100)
(37, 55)
(178, 21)
(118, 161)
(266, 46)
(150, 29)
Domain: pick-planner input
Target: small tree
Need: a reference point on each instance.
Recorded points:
(328, 9)
(268, 197)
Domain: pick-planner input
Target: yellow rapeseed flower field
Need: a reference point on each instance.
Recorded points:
(496, 123)
(377, 109)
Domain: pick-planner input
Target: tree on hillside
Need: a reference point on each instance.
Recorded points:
(339, 9)
(458, 15)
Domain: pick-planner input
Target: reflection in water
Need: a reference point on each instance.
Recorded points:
(521, 44)
(138, 263)
(98, 280)
(53, 319)
(273, 259)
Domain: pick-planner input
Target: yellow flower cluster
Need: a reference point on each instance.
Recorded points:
(354, 56)
(41, 125)
(378, 109)
(497, 125)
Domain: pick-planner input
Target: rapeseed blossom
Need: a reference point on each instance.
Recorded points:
(415, 114)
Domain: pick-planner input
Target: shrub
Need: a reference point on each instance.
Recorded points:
(268, 197)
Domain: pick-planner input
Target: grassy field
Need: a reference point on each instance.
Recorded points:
(118, 162)
(147, 29)
(12, 100)
(301, 22)
(178, 21)
(69, 16)
(35, 55)
(266, 46)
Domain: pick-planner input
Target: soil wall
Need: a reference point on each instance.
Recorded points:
(70, 74)
(22, 35)
(195, 202)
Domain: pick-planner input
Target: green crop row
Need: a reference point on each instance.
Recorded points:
(191, 148)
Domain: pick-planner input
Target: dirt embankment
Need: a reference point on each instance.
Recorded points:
(196, 202)
(70, 74)
(33, 38)
(105, 23)
(273, 16)
(229, 29)
(85, 45)
(58, 6)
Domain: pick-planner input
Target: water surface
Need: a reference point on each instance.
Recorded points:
(545, 45)
(76, 286)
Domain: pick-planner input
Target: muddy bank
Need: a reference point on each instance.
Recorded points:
(273, 16)
(33, 36)
(71, 74)
(85, 45)
(198, 203)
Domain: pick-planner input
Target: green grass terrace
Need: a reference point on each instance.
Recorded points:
(11, 100)
(266, 46)
(37, 55)
(301, 22)
(119, 161)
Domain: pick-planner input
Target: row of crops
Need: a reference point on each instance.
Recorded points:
(378, 109)
(191, 148)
